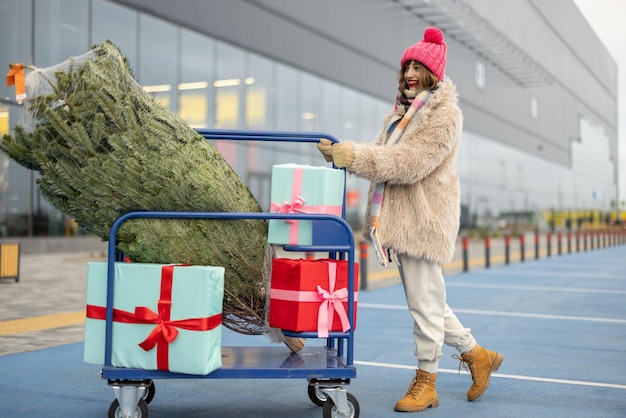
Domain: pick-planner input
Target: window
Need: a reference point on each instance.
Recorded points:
(15, 32)
(61, 31)
(349, 115)
(329, 112)
(534, 107)
(158, 60)
(287, 98)
(195, 90)
(310, 99)
(480, 75)
(117, 24)
(228, 85)
(259, 86)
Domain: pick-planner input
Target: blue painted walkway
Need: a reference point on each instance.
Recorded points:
(560, 323)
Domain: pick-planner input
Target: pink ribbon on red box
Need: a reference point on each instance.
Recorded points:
(330, 300)
(166, 330)
(297, 205)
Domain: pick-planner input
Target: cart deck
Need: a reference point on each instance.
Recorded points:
(275, 362)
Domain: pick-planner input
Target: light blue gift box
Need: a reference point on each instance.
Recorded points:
(319, 190)
(197, 292)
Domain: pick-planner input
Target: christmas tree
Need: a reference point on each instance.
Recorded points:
(103, 147)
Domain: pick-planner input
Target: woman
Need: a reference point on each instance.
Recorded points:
(414, 210)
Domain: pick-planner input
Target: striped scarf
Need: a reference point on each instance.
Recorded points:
(379, 191)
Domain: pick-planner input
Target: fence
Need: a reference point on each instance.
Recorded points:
(565, 244)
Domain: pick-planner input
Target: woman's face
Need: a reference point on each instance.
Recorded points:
(412, 75)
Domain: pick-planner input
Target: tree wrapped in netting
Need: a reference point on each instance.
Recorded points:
(104, 148)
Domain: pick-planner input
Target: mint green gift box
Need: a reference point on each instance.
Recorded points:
(196, 295)
(303, 189)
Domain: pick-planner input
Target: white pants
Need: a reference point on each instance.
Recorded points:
(434, 322)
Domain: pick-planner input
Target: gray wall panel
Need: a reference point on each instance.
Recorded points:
(307, 35)
(358, 43)
(554, 34)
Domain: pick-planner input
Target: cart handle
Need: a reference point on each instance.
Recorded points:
(271, 136)
(276, 136)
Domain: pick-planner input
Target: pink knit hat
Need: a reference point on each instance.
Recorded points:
(431, 52)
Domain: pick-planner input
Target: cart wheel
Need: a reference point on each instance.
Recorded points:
(316, 396)
(148, 394)
(140, 412)
(330, 410)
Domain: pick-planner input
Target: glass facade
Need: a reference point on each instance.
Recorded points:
(212, 84)
(502, 185)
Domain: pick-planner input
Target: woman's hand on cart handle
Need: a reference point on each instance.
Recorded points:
(341, 153)
(324, 146)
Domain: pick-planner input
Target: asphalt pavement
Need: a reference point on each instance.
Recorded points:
(560, 322)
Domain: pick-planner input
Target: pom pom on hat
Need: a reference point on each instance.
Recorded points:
(433, 35)
(431, 52)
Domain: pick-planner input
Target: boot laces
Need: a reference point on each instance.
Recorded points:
(467, 365)
(418, 384)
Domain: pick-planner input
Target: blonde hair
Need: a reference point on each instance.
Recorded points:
(427, 79)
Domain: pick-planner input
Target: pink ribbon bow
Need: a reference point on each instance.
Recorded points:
(331, 302)
(294, 206)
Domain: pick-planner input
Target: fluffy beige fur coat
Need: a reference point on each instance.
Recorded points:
(421, 208)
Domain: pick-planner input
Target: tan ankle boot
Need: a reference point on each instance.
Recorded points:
(421, 395)
(481, 363)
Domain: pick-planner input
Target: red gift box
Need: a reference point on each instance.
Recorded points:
(311, 295)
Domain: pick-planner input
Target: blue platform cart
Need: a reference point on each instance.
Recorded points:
(327, 368)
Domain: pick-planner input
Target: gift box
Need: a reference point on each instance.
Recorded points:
(304, 189)
(311, 295)
(165, 317)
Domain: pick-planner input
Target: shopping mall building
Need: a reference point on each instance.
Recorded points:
(537, 88)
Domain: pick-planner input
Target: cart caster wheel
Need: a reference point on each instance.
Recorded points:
(330, 410)
(140, 412)
(148, 394)
(316, 396)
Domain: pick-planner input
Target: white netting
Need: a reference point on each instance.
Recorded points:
(41, 82)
